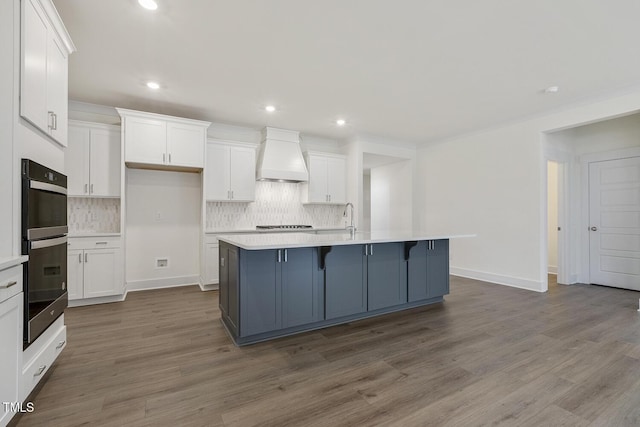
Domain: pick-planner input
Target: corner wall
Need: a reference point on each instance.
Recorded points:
(493, 184)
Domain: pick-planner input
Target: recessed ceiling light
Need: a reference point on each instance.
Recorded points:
(341, 122)
(148, 4)
(270, 108)
(153, 85)
(552, 89)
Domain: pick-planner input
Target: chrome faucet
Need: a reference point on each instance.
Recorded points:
(351, 228)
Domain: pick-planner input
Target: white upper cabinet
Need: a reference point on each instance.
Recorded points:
(230, 172)
(93, 160)
(163, 142)
(46, 47)
(327, 179)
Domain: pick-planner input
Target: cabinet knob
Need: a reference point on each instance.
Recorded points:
(594, 228)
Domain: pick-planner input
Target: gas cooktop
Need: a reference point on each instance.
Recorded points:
(284, 227)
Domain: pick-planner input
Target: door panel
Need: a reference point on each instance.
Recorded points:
(299, 296)
(75, 274)
(100, 273)
(185, 145)
(242, 173)
(217, 172)
(614, 216)
(438, 269)
(386, 273)
(345, 281)
(105, 163)
(145, 141)
(260, 294)
(77, 161)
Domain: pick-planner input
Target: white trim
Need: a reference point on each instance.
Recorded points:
(99, 300)
(610, 155)
(514, 282)
(553, 269)
(123, 112)
(58, 26)
(168, 282)
(209, 287)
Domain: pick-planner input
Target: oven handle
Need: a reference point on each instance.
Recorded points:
(37, 185)
(47, 243)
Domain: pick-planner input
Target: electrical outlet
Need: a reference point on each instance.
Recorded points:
(162, 262)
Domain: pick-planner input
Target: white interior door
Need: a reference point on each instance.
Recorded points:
(614, 215)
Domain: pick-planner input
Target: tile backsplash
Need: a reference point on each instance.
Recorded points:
(89, 215)
(275, 203)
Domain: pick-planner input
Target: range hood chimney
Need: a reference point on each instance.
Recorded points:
(280, 157)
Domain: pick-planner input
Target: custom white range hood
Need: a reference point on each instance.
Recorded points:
(280, 157)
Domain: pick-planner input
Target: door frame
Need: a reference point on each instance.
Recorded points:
(563, 159)
(585, 160)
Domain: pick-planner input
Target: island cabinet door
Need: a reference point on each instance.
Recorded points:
(228, 289)
(386, 275)
(417, 272)
(260, 291)
(438, 269)
(301, 298)
(345, 281)
(428, 270)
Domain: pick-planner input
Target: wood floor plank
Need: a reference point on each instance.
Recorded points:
(488, 355)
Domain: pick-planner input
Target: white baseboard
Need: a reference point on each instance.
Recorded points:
(552, 269)
(167, 282)
(209, 287)
(514, 282)
(99, 300)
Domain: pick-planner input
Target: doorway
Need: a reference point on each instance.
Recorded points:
(553, 227)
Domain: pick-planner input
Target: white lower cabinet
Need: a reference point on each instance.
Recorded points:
(210, 269)
(10, 340)
(94, 268)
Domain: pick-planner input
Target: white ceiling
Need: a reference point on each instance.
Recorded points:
(410, 70)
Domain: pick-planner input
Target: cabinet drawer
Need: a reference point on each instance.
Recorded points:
(35, 369)
(94, 242)
(10, 282)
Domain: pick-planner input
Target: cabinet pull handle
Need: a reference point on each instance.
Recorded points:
(91, 189)
(164, 157)
(50, 124)
(222, 262)
(61, 344)
(86, 186)
(279, 255)
(169, 157)
(366, 250)
(101, 243)
(286, 258)
(86, 257)
(55, 121)
(8, 285)
(40, 370)
(371, 249)
(80, 258)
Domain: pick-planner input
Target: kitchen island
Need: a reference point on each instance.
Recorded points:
(280, 284)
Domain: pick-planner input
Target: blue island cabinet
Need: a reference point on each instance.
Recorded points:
(361, 278)
(428, 269)
(269, 290)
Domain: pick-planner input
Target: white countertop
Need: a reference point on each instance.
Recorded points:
(92, 234)
(256, 231)
(305, 240)
(9, 262)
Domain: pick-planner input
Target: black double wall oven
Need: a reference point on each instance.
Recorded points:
(44, 239)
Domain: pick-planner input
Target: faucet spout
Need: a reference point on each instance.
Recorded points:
(351, 227)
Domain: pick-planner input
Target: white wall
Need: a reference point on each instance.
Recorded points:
(392, 197)
(176, 196)
(366, 202)
(552, 216)
(493, 183)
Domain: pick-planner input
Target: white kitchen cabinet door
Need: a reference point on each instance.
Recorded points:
(57, 89)
(318, 191)
(75, 275)
(212, 264)
(77, 161)
(10, 350)
(101, 273)
(217, 172)
(242, 172)
(145, 141)
(104, 161)
(337, 180)
(185, 145)
(33, 90)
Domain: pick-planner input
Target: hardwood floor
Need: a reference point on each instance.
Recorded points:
(489, 355)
